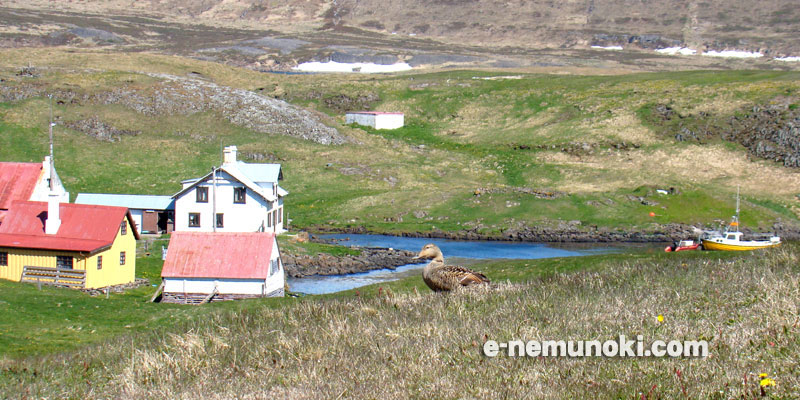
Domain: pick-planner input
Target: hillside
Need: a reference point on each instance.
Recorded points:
(518, 34)
(533, 156)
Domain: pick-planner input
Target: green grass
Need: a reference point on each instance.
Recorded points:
(399, 340)
(55, 320)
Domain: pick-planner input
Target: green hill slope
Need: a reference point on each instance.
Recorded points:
(481, 151)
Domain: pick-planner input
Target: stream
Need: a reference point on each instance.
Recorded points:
(455, 251)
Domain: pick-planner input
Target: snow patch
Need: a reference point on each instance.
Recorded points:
(733, 54)
(608, 47)
(364, 68)
(684, 51)
(789, 59)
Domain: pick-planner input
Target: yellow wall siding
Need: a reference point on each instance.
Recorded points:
(111, 274)
(19, 258)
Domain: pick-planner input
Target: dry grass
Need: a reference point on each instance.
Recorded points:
(693, 164)
(410, 345)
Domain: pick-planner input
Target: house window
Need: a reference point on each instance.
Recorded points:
(239, 195)
(194, 219)
(3, 259)
(220, 222)
(123, 227)
(275, 216)
(280, 215)
(269, 219)
(202, 194)
(64, 262)
(99, 262)
(121, 258)
(274, 267)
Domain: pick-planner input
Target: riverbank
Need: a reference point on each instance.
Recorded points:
(663, 234)
(369, 259)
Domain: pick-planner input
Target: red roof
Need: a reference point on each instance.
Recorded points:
(17, 181)
(84, 228)
(376, 112)
(224, 255)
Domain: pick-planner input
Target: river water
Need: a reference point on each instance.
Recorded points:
(455, 251)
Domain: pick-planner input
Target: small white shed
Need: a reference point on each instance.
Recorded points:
(376, 119)
(209, 266)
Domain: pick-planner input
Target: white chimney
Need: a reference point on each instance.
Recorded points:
(53, 214)
(229, 155)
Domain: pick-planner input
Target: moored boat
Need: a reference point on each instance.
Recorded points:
(731, 239)
(683, 245)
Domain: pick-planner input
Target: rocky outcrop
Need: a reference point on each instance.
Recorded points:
(770, 132)
(326, 264)
(100, 130)
(175, 95)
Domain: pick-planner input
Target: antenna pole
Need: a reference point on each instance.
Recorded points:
(737, 208)
(52, 160)
(214, 199)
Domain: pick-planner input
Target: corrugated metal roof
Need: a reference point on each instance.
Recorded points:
(136, 201)
(223, 255)
(17, 181)
(375, 112)
(260, 172)
(84, 228)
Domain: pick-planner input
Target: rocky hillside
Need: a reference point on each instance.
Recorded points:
(173, 95)
(423, 32)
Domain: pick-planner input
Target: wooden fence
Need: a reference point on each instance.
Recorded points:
(54, 276)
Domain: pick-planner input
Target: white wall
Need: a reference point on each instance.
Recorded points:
(361, 119)
(389, 121)
(247, 217)
(42, 188)
(230, 286)
(377, 121)
(137, 218)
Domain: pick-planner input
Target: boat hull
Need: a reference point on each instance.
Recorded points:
(711, 245)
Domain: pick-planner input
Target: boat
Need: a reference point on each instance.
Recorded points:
(683, 245)
(731, 238)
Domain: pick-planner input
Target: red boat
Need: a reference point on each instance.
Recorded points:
(683, 245)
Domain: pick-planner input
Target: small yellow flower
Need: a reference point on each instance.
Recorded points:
(762, 375)
(660, 318)
(767, 382)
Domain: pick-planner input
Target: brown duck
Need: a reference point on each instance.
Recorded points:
(444, 278)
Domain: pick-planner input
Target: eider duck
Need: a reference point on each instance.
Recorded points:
(444, 278)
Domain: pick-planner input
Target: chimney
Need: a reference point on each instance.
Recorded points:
(229, 155)
(53, 214)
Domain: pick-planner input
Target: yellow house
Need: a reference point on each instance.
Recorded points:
(76, 245)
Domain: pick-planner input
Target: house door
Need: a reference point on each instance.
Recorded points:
(149, 221)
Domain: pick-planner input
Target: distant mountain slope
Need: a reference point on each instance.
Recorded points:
(770, 26)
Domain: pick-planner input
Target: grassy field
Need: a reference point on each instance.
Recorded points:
(590, 138)
(402, 341)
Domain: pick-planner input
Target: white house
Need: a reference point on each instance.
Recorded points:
(151, 214)
(236, 197)
(222, 266)
(376, 119)
(28, 182)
